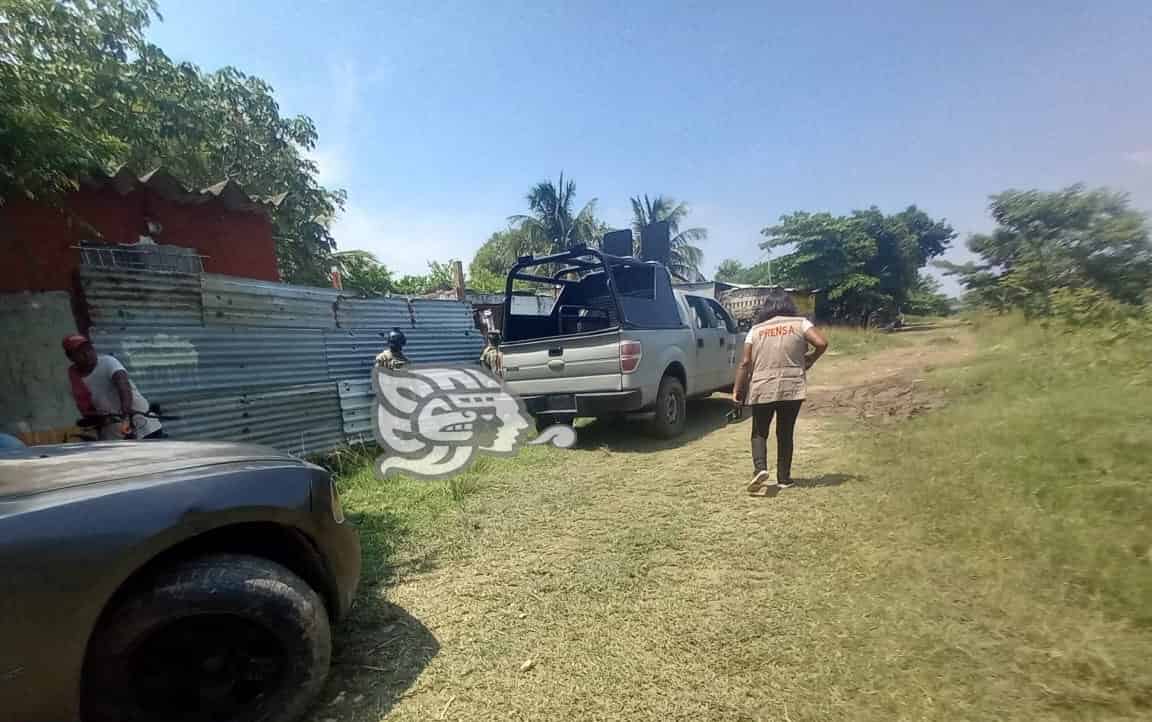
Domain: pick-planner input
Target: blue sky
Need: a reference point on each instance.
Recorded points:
(438, 117)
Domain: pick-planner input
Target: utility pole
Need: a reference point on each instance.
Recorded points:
(458, 279)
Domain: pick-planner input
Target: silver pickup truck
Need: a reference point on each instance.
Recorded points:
(619, 339)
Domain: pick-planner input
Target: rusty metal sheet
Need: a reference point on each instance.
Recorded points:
(374, 313)
(233, 301)
(128, 297)
(437, 314)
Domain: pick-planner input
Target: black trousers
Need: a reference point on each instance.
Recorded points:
(785, 413)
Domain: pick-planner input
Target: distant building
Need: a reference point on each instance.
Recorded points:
(149, 221)
(744, 301)
(711, 289)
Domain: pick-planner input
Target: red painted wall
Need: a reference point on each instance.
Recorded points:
(36, 241)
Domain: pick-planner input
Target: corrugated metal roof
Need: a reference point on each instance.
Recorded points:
(301, 420)
(243, 301)
(373, 313)
(432, 313)
(167, 186)
(172, 362)
(118, 297)
(350, 353)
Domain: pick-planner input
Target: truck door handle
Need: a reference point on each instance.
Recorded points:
(553, 352)
(699, 343)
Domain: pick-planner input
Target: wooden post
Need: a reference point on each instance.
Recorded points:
(458, 279)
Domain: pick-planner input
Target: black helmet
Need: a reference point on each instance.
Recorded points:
(396, 338)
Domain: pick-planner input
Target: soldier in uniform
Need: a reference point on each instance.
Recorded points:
(490, 356)
(393, 358)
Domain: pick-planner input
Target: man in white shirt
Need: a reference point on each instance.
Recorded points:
(101, 387)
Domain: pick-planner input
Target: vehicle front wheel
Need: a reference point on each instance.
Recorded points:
(670, 409)
(219, 637)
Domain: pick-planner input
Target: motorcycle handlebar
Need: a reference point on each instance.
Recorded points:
(100, 419)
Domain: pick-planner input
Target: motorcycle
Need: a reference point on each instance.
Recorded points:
(96, 422)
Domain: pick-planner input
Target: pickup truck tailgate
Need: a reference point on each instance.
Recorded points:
(565, 364)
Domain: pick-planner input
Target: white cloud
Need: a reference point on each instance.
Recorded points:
(404, 243)
(1139, 157)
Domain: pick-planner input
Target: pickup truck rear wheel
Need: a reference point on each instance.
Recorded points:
(219, 637)
(670, 408)
(545, 420)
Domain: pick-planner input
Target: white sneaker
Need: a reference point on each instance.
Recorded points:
(762, 479)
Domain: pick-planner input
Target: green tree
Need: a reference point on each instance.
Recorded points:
(361, 270)
(489, 267)
(81, 89)
(730, 270)
(64, 90)
(777, 271)
(866, 262)
(1068, 239)
(926, 299)
(551, 223)
(684, 256)
(438, 278)
(225, 124)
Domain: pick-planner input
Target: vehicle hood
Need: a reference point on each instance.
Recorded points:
(45, 468)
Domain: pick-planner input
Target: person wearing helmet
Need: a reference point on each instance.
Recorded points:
(393, 358)
(490, 356)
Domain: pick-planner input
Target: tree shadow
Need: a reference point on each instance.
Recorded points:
(630, 433)
(379, 650)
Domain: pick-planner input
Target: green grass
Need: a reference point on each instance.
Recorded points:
(1048, 459)
(407, 524)
(1023, 548)
(989, 560)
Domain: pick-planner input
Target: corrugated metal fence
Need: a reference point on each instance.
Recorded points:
(259, 362)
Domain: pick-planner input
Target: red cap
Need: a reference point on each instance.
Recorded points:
(74, 341)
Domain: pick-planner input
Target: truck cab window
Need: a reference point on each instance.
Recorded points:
(635, 281)
(701, 313)
(645, 293)
(722, 316)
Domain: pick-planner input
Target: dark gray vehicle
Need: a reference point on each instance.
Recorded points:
(167, 581)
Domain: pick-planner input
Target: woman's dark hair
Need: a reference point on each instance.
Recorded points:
(777, 302)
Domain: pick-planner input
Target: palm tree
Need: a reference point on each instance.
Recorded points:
(551, 220)
(362, 270)
(684, 257)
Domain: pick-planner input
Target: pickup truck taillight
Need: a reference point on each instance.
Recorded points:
(630, 353)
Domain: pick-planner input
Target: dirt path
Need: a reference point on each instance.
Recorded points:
(629, 579)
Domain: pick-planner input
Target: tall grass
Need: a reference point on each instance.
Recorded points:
(855, 341)
(1046, 458)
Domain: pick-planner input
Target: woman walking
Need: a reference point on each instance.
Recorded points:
(772, 380)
